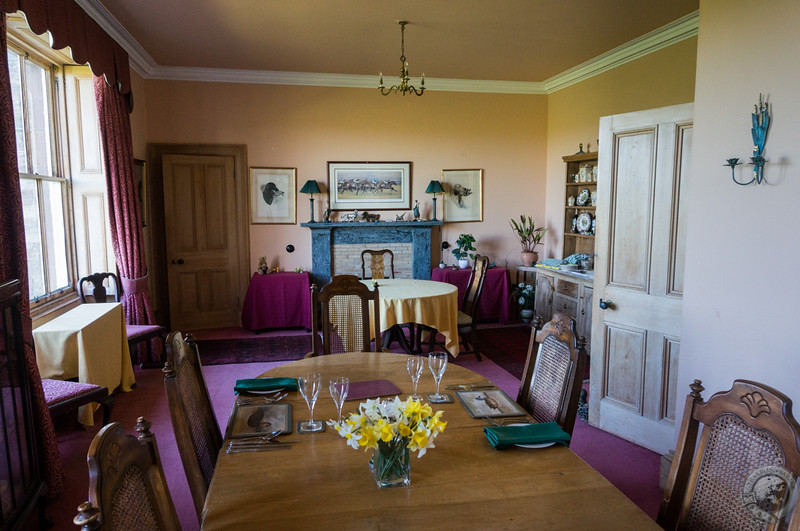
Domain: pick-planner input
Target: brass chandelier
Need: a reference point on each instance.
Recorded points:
(403, 88)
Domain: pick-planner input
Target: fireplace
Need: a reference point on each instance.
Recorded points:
(336, 247)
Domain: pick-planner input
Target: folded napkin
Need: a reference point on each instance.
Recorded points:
(250, 385)
(505, 436)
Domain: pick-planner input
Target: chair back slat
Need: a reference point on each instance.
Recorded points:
(374, 264)
(472, 295)
(341, 312)
(96, 282)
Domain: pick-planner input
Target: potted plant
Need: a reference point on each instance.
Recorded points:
(463, 248)
(524, 295)
(529, 236)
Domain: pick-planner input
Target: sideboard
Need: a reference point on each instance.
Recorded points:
(569, 293)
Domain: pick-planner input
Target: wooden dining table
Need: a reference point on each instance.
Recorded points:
(462, 483)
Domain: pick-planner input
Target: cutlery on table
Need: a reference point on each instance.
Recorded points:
(250, 400)
(470, 386)
(507, 420)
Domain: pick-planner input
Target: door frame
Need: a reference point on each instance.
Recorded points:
(157, 248)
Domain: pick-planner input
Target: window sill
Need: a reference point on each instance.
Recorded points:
(47, 311)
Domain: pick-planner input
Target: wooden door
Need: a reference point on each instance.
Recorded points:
(641, 232)
(545, 286)
(201, 241)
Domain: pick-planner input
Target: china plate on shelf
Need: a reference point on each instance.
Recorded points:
(583, 197)
(539, 445)
(584, 223)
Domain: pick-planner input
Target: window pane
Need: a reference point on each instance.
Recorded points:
(55, 235)
(33, 238)
(38, 118)
(19, 118)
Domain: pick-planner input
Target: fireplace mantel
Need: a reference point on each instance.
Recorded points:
(325, 235)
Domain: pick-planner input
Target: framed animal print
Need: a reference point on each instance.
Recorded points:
(463, 195)
(366, 186)
(273, 195)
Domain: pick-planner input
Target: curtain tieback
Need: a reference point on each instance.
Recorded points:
(132, 286)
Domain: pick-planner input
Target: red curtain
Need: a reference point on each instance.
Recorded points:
(124, 212)
(14, 264)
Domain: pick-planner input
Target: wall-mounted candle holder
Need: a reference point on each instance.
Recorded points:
(759, 132)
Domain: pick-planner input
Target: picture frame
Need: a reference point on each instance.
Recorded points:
(475, 402)
(140, 173)
(273, 195)
(463, 195)
(255, 420)
(366, 186)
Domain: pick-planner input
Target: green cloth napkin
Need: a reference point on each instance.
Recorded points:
(250, 385)
(505, 436)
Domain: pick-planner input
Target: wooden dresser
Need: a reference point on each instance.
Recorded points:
(569, 293)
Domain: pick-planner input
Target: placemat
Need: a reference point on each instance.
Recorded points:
(371, 389)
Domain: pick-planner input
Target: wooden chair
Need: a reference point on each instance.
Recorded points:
(551, 381)
(127, 487)
(340, 311)
(743, 473)
(100, 293)
(193, 420)
(63, 396)
(377, 264)
(470, 307)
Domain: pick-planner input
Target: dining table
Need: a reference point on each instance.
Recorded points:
(88, 343)
(421, 302)
(316, 480)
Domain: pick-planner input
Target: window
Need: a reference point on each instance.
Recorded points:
(34, 94)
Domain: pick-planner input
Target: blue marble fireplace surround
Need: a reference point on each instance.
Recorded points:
(325, 235)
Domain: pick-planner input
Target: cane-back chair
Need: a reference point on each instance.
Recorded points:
(341, 313)
(374, 264)
(551, 381)
(470, 306)
(127, 487)
(743, 474)
(193, 420)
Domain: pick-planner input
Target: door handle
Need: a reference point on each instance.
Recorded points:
(179, 262)
(605, 305)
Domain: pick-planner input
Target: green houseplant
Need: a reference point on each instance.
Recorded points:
(529, 237)
(464, 244)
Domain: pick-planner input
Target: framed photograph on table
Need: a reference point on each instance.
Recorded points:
(489, 403)
(463, 195)
(273, 195)
(366, 186)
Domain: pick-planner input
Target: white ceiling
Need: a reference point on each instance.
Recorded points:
(516, 41)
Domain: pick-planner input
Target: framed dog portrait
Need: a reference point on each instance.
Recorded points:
(273, 195)
(463, 195)
(368, 186)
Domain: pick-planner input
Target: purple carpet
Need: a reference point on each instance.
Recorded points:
(253, 349)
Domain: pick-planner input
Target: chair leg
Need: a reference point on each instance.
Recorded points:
(106, 405)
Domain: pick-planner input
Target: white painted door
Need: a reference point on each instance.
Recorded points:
(640, 245)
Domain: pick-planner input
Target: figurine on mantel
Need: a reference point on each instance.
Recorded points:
(326, 216)
(400, 217)
(416, 210)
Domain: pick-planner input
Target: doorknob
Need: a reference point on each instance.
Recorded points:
(179, 262)
(605, 305)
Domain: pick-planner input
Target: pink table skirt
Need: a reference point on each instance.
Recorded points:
(278, 300)
(496, 294)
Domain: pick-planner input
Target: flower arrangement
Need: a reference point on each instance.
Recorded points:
(529, 235)
(525, 295)
(392, 428)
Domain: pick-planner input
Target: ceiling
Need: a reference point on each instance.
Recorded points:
(501, 40)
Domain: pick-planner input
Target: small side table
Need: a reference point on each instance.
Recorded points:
(525, 270)
(278, 300)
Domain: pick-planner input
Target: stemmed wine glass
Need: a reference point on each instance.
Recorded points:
(415, 365)
(309, 384)
(338, 388)
(437, 362)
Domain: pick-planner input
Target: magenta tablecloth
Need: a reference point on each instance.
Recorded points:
(496, 291)
(278, 300)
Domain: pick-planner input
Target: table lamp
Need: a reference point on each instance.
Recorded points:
(311, 187)
(434, 187)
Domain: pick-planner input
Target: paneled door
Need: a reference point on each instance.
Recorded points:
(638, 287)
(201, 241)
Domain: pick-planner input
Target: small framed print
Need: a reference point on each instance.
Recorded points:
(366, 186)
(463, 195)
(273, 195)
(259, 419)
(489, 403)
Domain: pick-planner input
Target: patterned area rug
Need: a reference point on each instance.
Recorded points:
(251, 350)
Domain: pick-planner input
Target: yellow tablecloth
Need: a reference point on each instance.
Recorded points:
(420, 301)
(88, 342)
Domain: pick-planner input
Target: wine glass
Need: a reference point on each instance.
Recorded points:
(415, 365)
(308, 385)
(437, 362)
(338, 388)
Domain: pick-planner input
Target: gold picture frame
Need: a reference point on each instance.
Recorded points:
(273, 195)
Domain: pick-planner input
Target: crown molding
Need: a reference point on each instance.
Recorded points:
(143, 63)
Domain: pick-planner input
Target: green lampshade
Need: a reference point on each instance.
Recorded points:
(311, 187)
(434, 187)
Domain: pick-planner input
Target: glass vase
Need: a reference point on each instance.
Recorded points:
(391, 464)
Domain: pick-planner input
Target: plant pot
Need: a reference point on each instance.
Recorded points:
(528, 258)
(526, 315)
(463, 263)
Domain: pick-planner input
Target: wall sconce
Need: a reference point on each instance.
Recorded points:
(311, 187)
(434, 187)
(759, 132)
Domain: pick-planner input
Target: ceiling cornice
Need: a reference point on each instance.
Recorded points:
(145, 66)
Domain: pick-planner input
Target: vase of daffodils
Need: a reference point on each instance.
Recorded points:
(392, 429)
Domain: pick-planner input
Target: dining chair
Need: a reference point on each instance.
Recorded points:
(136, 334)
(193, 420)
(63, 396)
(127, 487)
(551, 381)
(743, 472)
(377, 266)
(470, 307)
(340, 312)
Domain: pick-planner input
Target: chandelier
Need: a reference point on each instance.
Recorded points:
(403, 87)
